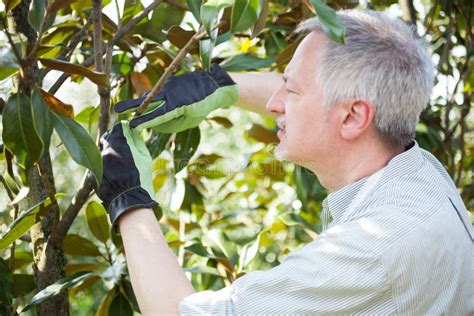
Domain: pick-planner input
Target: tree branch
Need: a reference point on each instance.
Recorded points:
(12, 44)
(408, 11)
(73, 209)
(114, 40)
(182, 53)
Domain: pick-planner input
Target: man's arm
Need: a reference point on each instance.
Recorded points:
(256, 88)
(157, 278)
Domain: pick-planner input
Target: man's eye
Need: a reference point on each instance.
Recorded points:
(290, 91)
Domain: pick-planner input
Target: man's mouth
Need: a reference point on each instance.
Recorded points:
(281, 125)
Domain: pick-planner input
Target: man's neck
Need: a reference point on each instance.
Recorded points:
(357, 164)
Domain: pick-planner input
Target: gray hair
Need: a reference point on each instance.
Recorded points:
(383, 61)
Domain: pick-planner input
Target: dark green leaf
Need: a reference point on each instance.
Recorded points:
(244, 14)
(56, 288)
(24, 222)
(128, 289)
(42, 118)
(23, 284)
(186, 144)
(97, 220)
(76, 245)
(246, 62)
(195, 7)
(120, 306)
(6, 288)
(199, 249)
(79, 144)
(329, 21)
(20, 134)
(192, 196)
(157, 143)
(36, 14)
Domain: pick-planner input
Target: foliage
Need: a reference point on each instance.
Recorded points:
(229, 206)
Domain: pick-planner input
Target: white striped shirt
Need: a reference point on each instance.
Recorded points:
(400, 242)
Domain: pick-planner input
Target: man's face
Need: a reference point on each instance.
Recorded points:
(304, 123)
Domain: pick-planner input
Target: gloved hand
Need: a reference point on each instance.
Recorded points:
(184, 101)
(127, 177)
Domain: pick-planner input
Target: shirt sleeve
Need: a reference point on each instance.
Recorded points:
(332, 274)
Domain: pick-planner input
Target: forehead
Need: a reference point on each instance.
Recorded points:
(306, 59)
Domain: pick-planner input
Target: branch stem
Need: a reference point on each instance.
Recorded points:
(182, 53)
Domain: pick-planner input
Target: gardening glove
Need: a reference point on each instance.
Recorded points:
(127, 175)
(184, 101)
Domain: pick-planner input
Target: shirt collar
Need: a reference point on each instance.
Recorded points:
(337, 202)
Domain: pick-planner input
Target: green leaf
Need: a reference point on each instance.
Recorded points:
(195, 7)
(19, 132)
(76, 245)
(120, 306)
(104, 306)
(6, 72)
(59, 4)
(244, 14)
(128, 289)
(22, 258)
(56, 288)
(96, 218)
(329, 21)
(204, 270)
(10, 4)
(23, 284)
(36, 13)
(24, 222)
(210, 12)
(206, 46)
(6, 288)
(186, 144)
(157, 143)
(42, 118)
(246, 62)
(79, 144)
(163, 18)
(97, 77)
(248, 252)
(262, 17)
(199, 249)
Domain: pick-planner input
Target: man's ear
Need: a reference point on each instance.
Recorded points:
(358, 117)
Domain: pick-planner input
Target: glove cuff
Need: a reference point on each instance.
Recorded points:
(220, 76)
(131, 199)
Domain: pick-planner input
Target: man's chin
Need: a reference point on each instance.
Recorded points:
(281, 153)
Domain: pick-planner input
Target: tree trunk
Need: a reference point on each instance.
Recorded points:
(49, 259)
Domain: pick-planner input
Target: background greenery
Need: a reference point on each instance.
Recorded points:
(228, 206)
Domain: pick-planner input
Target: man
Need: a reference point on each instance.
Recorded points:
(397, 238)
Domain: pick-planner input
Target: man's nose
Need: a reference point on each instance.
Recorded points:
(276, 104)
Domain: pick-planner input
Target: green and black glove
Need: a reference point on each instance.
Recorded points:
(127, 177)
(184, 101)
